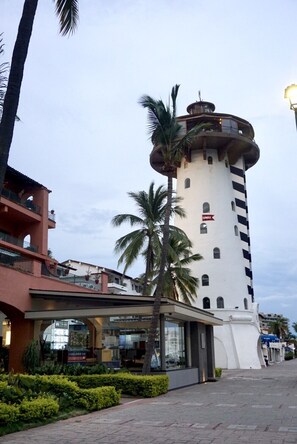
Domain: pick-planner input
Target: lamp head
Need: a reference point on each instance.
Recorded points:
(291, 94)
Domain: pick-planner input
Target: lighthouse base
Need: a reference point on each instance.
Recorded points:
(237, 343)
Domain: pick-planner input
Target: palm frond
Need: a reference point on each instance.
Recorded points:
(67, 12)
(122, 243)
(132, 250)
(119, 219)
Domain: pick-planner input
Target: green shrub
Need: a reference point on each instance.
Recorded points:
(289, 356)
(8, 413)
(135, 385)
(97, 398)
(49, 368)
(11, 394)
(52, 368)
(218, 372)
(39, 408)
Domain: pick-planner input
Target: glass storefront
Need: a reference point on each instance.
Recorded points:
(120, 342)
(175, 356)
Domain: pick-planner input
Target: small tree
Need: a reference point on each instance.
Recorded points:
(31, 356)
(279, 327)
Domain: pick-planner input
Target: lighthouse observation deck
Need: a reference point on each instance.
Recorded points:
(230, 135)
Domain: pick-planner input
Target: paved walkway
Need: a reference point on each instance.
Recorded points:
(244, 406)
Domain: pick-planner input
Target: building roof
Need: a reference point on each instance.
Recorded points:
(20, 178)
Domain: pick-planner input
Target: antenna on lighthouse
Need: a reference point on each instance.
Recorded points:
(199, 95)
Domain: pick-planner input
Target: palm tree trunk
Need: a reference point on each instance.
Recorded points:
(13, 90)
(148, 267)
(158, 293)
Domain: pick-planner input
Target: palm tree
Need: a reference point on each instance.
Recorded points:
(67, 12)
(279, 327)
(146, 239)
(179, 284)
(167, 136)
(294, 325)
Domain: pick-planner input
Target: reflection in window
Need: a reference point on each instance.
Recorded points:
(187, 182)
(220, 302)
(174, 344)
(209, 160)
(245, 303)
(203, 228)
(206, 303)
(206, 207)
(205, 280)
(236, 230)
(216, 253)
(233, 205)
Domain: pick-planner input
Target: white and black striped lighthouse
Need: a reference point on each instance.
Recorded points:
(211, 180)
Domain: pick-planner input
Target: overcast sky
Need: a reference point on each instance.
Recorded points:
(83, 135)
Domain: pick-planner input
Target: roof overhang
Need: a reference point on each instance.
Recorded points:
(64, 305)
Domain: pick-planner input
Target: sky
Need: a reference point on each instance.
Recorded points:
(84, 136)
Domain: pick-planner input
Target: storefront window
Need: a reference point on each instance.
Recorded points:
(174, 344)
(126, 337)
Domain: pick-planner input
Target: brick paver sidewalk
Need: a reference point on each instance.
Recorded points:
(254, 406)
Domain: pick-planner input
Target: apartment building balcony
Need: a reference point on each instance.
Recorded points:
(7, 238)
(13, 197)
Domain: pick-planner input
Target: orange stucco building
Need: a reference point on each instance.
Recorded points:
(24, 261)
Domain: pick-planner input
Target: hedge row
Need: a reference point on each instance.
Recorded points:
(28, 410)
(135, 385)
(27, 398)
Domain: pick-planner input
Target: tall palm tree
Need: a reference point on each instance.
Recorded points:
(146, 239)
(279, 327)
(168, 136)
(67, 12)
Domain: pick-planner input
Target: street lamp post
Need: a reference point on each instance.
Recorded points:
(291, 94)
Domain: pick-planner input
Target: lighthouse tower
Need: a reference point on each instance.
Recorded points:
(211, 180)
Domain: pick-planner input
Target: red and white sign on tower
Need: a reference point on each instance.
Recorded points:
(206, 217)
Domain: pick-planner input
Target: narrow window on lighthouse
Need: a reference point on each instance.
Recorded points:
(216, 253)
(220, 302)
(206, 207)
(203, 228)
(233, 205)
(187, 183)
(206, 303)
(205, 280)
(245, 303)
(209, 160)
(236, 230)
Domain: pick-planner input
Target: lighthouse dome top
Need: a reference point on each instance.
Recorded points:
(201, 107)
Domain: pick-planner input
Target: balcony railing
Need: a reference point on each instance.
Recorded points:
(15, 198)
(15, 260)
(18, 242)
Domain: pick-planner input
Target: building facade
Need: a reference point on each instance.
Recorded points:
(212, 184)
(76, 323)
